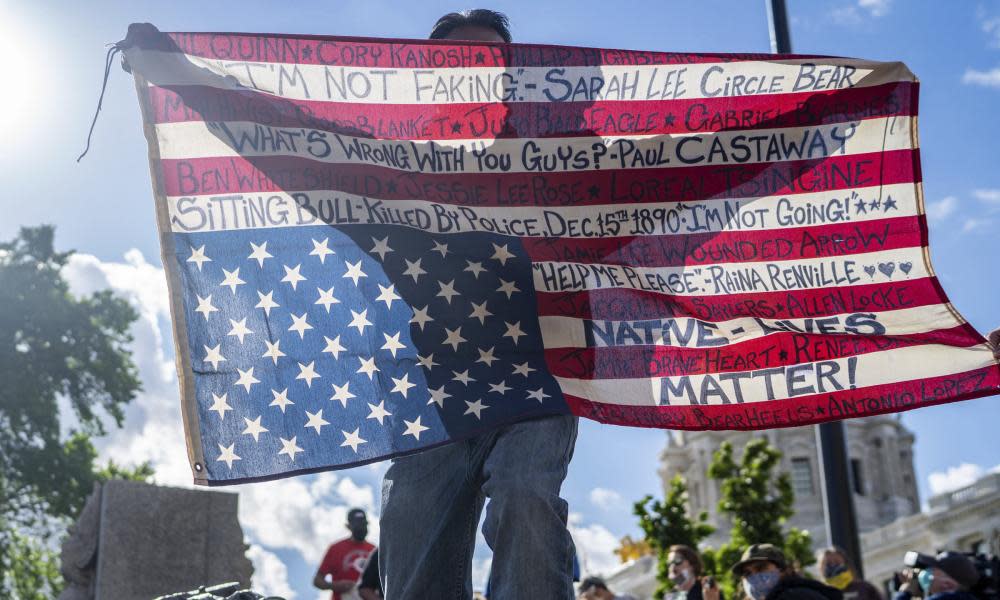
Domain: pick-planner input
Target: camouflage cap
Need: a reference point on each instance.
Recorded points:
(758, 553)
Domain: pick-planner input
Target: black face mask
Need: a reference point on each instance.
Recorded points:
(832, 571)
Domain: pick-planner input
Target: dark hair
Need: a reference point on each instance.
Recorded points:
(825, 553)
(593, 582)
(689, 554)
(478, 17)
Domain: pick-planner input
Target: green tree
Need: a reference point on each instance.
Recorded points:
(758, 501)
(667, 523)
(54, 348)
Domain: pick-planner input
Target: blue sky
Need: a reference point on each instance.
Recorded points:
(102, 207)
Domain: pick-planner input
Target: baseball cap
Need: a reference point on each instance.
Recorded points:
(757, 553)
(958, 567)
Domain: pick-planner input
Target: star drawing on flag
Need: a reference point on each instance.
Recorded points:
(479, 312)
(402, 385)
(438, 396)
(414, 270)
(280, 399)
(514, 331)
(273, 351)
(414, 428)
(239, 329)
(462, 377)
(260, 253)
(360, 320)
(523, 369)
(321, 250)
(500, 388)
(246, 379)
(214, 356)
(308, 373)
(392, 343)
(501, 254)
(387, 295)
(326, 298)
(475, 268)
(538, 394)
(205, 306)
(352, 439)
(447, 290)
(508, 287)
(381, 247)
(220, 405)
(475, 408)
(289, 447)
(316, 420)
(354, 272)
(342, 393)
(367, 367)
(267, 302)
(420, 317)
(299, 325)
(439, 247)
(486, 357)
(228, 455)
(427, 362)
(254, 428)
(292, 275)
(453, 337)
(333, 346)
(378, 412)
(232, 279)
(198, 256)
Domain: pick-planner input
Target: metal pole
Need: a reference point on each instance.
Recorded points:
(838, 500)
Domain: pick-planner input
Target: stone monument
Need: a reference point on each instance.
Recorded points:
(136, 540)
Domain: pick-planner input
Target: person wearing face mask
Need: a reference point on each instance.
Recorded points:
(838, 571)
(949, 577)
(685, 569)
(765, 575)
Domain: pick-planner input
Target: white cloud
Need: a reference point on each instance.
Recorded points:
(605, 499)
(954, 478)
(270, 575)
(938, 211)
(876, 8)
(988, 196)
(853, 14)
(974, 224)
(595, 546)
(989, 78)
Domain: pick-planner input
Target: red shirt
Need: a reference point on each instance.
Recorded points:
(345, 561)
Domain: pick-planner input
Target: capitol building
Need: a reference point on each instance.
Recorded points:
(886, 501)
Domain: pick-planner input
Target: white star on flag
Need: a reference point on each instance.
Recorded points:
(507, 287)
(214, 356)
(326, 298)
(260, 253)
(475, 408)
(387, 295)
(198, 256)
(462, 377)
(479, 312)
(438, 396)
(447, 290)
(414, 270)
(378, 412)
(321, 250)
(367, 367)
(267, 302)
(246, 379)
(228, 455)
(289, 447)
(239, 329)
(439, 247)
(293, 276)
(501, 254)
(360, 320)
(280, 399)
(254, 428)
(342, 393)
(316, 420)
(414, 428)
(427, 362)
(232, 279)
(402, 385)
(539, 395)
(453, 337)
(486, 357)
(392, 343)
(420, 317)
(381, 247)
(475, 268)
(205, 306)
(500, 388)
(522, 369)
(299, 325)
(220, 405)
(273, 351)
(354, 272)
(333, 346)
(352, 439)
(308, 373)
(514, 331)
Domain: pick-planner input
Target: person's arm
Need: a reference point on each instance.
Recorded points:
(319, 581)
(995, 342)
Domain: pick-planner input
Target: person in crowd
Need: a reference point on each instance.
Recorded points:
(595, 588)
(345, 560)
(370, 587)
(432, 500)
(837, 570)
(685, 570)
(766, 575)
(949, 577)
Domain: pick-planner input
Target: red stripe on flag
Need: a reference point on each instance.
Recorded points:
(775, 350)
(240, 174)
(534, 119)
(801, 410)
(839, 239)
(628, 304)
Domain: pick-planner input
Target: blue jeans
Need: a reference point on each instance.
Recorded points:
(431, 504)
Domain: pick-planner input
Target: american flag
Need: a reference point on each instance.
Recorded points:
(377, 246)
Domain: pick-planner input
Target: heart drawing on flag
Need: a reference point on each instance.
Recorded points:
(870, 269)
(887, 268)
(905, 267)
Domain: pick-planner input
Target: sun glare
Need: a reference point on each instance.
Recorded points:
(21, 94)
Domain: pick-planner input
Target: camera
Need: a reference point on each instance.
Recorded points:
(983, 580)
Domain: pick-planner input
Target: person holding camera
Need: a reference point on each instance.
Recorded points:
(766, 575)
(948, 576)
(685, 568)
(837, 570)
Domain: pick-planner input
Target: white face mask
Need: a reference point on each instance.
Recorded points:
(681, 578)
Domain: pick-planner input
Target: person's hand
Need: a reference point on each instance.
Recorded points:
(709, 589)
(995, 342)
(908, 583)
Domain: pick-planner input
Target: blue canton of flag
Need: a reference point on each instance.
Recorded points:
(318, 347)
